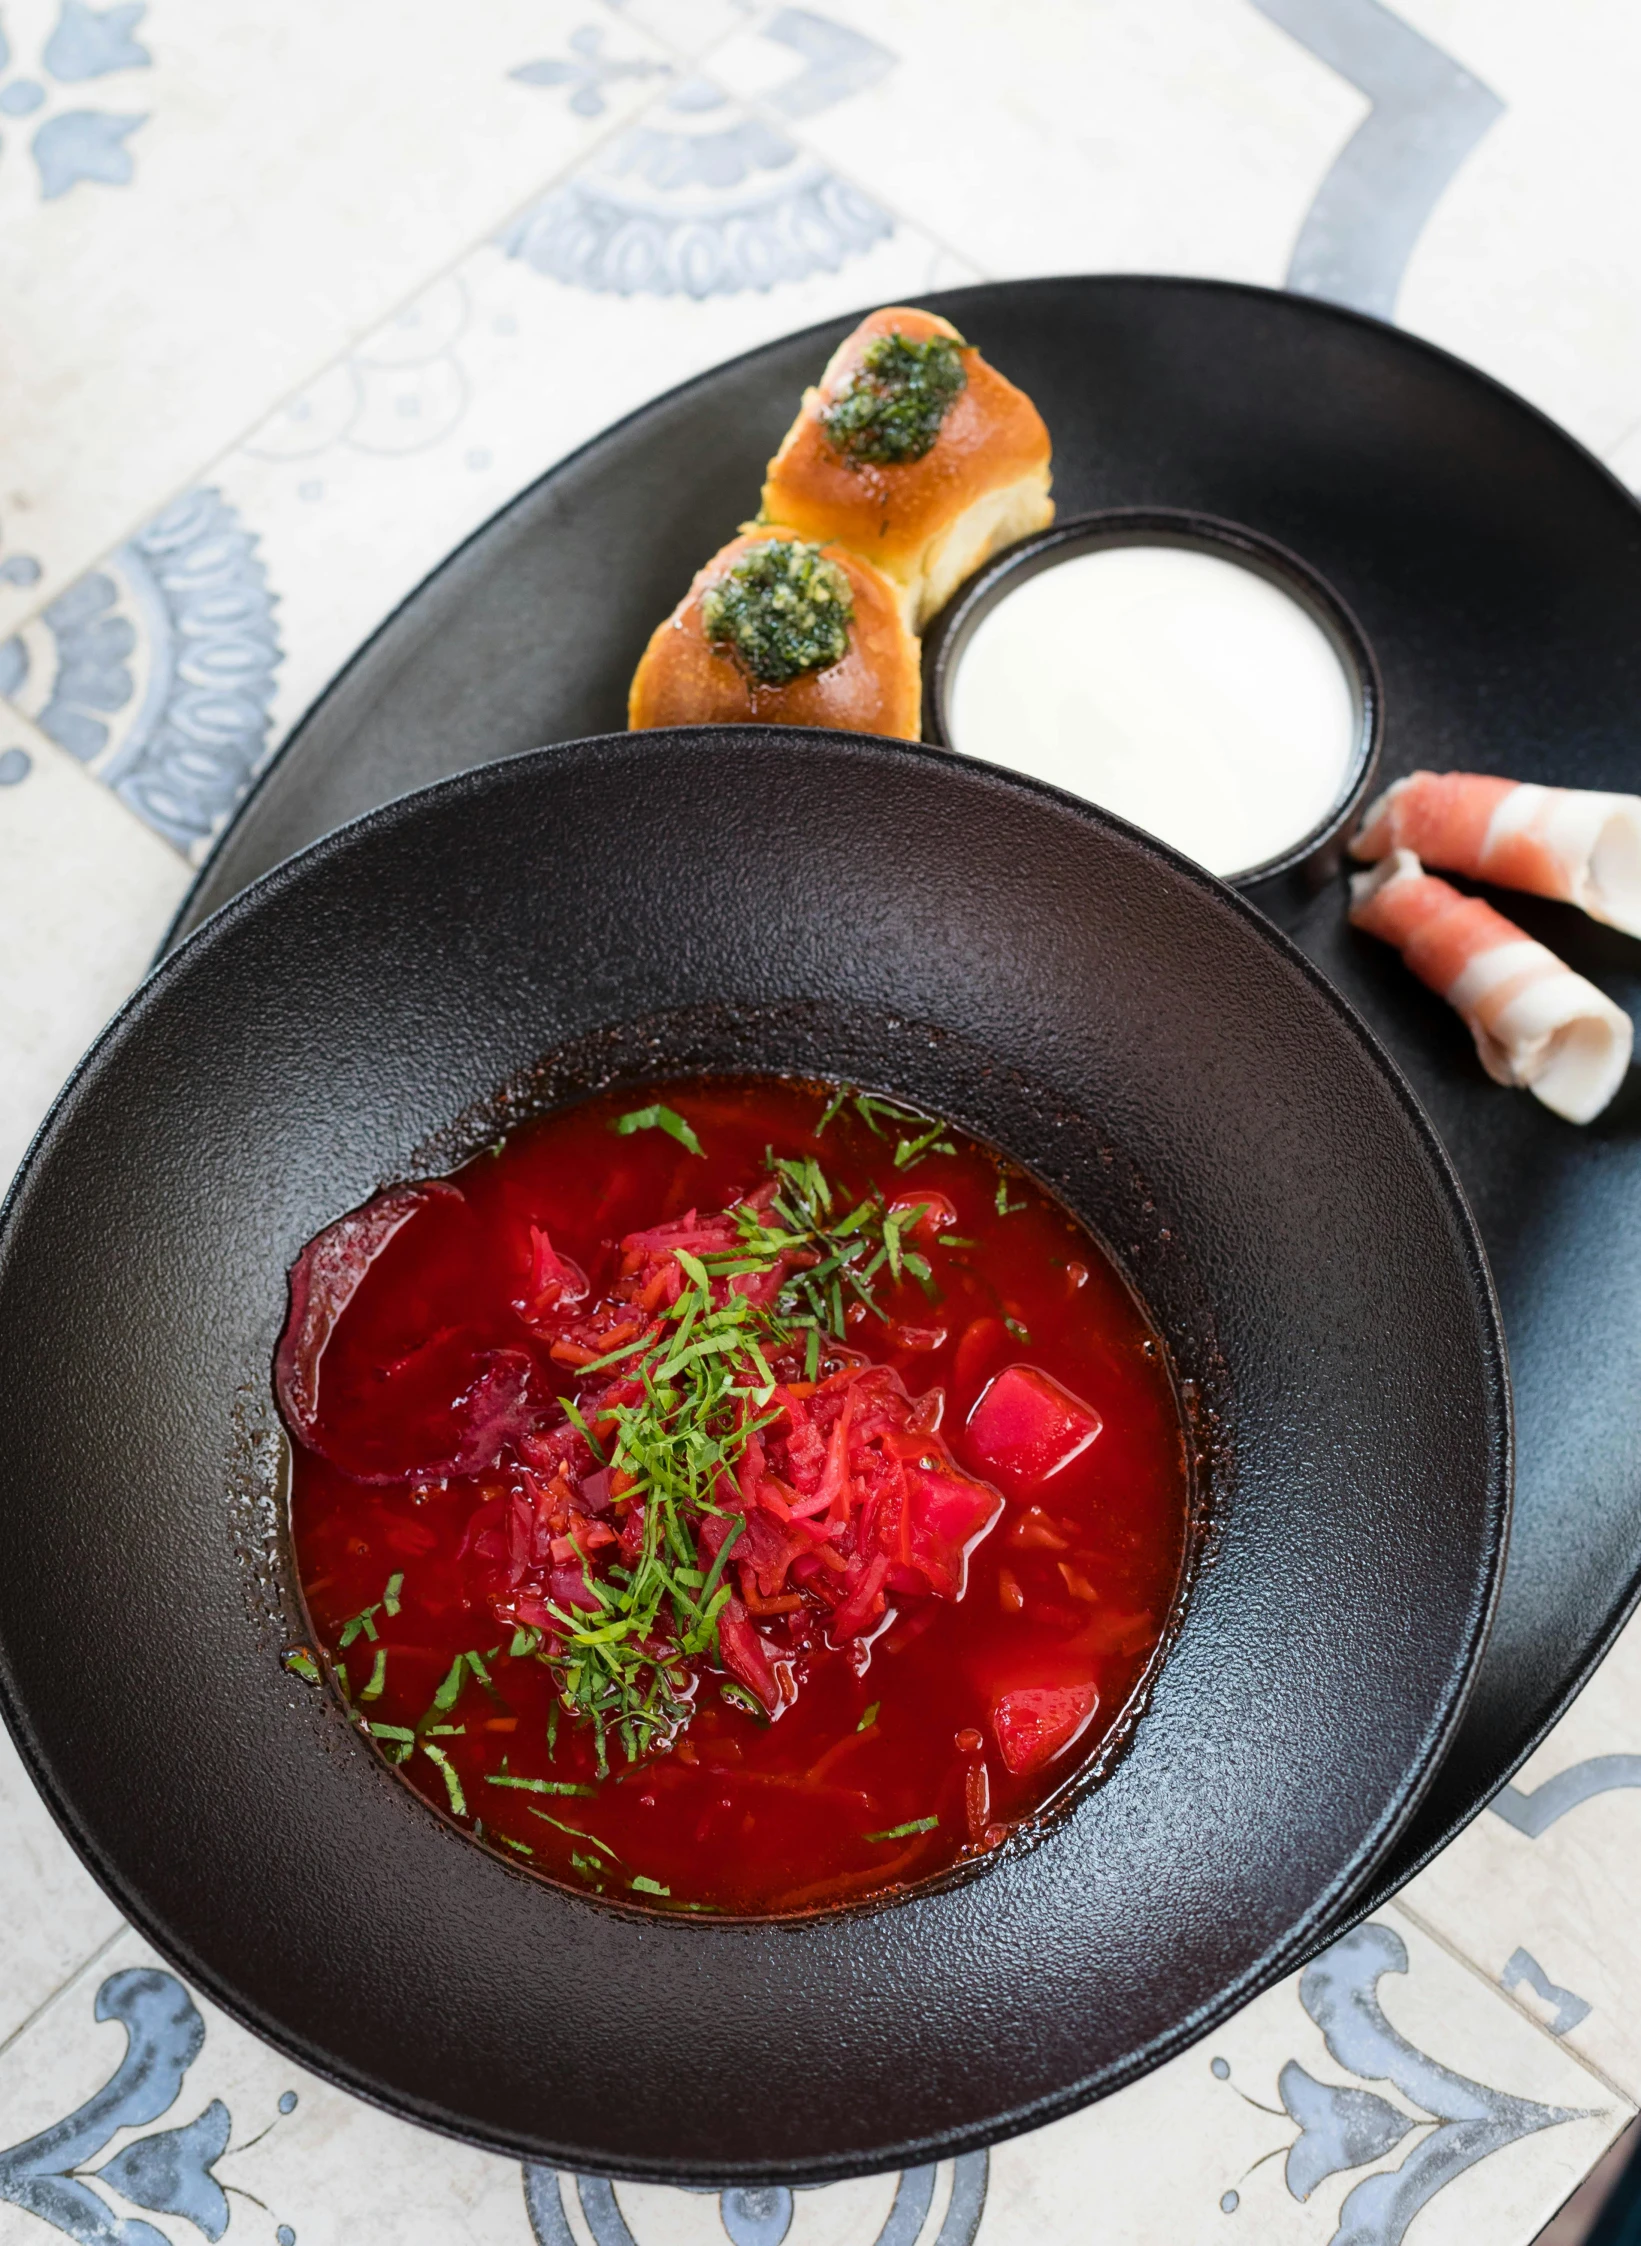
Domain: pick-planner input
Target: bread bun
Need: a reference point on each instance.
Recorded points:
(927, 520)
(688, 676)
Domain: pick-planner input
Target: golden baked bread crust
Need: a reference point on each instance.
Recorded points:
(989, 464)
(683, 679)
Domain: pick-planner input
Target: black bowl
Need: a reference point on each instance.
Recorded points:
(739, 898)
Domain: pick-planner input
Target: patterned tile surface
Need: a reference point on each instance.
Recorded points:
(1370, 2093)
(56, 1914)
(294, 301)
(1381, 2083)
(237, 195)
(86, 894)
(1540, 1892)
(1528, 263)
(1069, 136)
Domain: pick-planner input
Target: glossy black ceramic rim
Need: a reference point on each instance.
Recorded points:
(274, 894)
(1318, 853)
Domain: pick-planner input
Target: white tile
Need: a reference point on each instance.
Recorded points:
(86, 893)
(1554, 1904)
(1179, 136)
(1203, 2150)
(1531, 263)
(1624, 459)
(293, 175)
(688, 27)
(56, 1915)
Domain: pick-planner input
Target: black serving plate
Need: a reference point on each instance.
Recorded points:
(739, 898)
(1496, 569)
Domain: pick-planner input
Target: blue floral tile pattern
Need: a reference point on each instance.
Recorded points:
(158, 669)
(1343, 2127)
(1427, 115)
(762, 2215)
(703, 197)
(587, 70)
(1536, 1811)
(1567, 2008)
(837, 61)
(169, 2172)
(79, 144)
(700, 199)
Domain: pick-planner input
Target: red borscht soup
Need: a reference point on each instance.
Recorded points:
(742, 1496)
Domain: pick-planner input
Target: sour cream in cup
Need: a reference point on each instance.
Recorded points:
(1190, 676)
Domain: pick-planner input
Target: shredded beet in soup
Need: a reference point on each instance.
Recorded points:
(743, 1495)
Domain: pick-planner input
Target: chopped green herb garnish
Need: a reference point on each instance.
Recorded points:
(1014, 1326)
(659, 1118)
(575, 1832)
(900, 1832)
(866, 1722)
(365, 1621)
(301, 1664)
(572, 1412)
(909, 1123)
(834, 1106)
(955, 1240)
(895, 1222)
(391, 1731)
(452, 1784)
(645, 1886)
(523, 1846)
(782, 608)
(450, 1691)
(378, 1677)
(543, 1786)
(706, 1372)
(890, 407)
(910, 1151)
(1006, 1207)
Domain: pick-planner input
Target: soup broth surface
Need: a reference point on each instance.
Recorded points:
(840, 1599)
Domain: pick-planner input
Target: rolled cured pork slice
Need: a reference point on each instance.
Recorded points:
(1534, 1021)
(1573, 844)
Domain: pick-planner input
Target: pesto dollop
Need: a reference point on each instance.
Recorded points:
(783, 608)
(892, 405)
